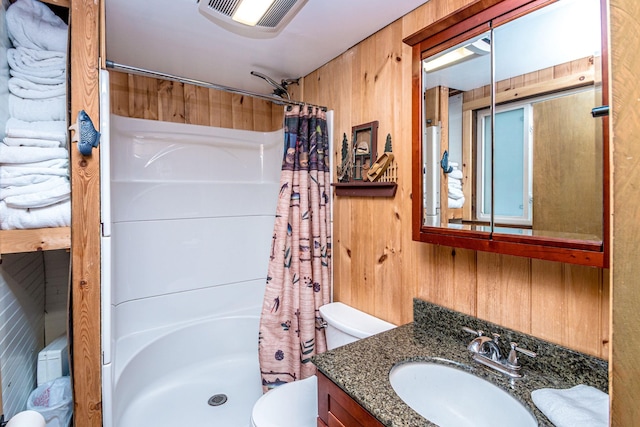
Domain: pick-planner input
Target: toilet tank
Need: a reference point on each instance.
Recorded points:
(345, 324)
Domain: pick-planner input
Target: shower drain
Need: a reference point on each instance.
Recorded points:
(218, 399)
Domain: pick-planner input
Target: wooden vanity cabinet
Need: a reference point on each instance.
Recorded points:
(337, 409)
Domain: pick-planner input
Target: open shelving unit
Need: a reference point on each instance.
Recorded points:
(38, 239)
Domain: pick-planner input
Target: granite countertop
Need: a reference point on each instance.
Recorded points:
(362, 368)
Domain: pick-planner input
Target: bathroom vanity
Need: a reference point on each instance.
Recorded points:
(353, 380)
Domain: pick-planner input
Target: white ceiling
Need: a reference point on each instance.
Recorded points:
(172, 36)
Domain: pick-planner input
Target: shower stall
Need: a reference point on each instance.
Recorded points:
(187, 215)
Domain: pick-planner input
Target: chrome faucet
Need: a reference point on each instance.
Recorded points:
(486, 351)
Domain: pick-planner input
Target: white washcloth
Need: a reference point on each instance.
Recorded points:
(11, 155)
(54, 130)
(30, 142)
(32, 24)
(579, 406)
(26, 89)
(39, 63)
(50, 182)
(40, 199)
(34, 110)
(58, 215)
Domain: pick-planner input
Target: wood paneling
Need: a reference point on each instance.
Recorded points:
(148, 98)
(567, 166)
(85, 220)
(22, 302)
(372, 81)
(625, 354)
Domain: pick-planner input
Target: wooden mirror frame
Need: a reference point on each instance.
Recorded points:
(471, 20)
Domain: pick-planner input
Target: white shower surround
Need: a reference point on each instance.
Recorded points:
(186, 244)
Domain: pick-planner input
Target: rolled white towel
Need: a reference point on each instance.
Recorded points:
(40, 199)
(44, 164)
(30, 142)
(579, 406)
(26, 89)
(38, 79)
(12, 155)
(54, 130)
(37, 63)
(51, 181)
(57, 215)
(25, 180)
(33, 110)
(32, 24)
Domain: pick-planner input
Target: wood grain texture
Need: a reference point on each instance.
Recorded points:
(38, 239)
(153, 99)
(337, 409)
(499, 288)
(567, 166)
(85, 221)
(63, 3)
(625, 108)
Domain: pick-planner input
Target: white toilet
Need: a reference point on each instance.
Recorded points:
(296, 404)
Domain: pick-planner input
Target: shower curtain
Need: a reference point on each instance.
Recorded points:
(299, 274)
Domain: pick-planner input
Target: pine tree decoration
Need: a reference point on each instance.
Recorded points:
(345, 147)
(387, 145)
(345, 166)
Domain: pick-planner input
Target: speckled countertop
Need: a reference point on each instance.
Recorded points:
(362, 368)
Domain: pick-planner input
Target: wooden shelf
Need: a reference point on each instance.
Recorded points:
(365, 189)
(37, 239)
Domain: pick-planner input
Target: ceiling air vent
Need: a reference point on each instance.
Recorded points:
(276, 17)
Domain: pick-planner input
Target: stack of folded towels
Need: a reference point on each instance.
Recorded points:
(454, 183)
(34, 159)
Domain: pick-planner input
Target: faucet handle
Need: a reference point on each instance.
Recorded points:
(496, 337)
(477, 333)
(514, 346)
(512, 360)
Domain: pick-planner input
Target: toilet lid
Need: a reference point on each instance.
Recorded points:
(289, 405)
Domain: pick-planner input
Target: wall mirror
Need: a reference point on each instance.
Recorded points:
(508, 156)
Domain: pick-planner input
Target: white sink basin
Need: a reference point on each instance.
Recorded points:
(450, 397)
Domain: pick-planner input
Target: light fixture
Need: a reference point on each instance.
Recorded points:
(477, 48)
(251, 18)
(249, 12)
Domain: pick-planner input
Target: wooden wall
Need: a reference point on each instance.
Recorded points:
(153, 99)
(379, 269)
(624, 369)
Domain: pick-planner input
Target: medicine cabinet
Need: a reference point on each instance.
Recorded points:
(510, 130)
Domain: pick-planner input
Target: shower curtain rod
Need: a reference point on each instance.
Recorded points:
(143, 72)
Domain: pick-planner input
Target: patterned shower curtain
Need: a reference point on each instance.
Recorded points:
(299, 275)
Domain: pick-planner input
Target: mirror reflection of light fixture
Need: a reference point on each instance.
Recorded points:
(249, 12)
(474, 49)
(251, 18)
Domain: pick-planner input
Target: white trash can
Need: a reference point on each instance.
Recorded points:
(53, 400)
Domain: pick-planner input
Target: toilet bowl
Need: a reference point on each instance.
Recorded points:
(295, 404)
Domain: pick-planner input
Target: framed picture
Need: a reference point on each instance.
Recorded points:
(365, 148)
